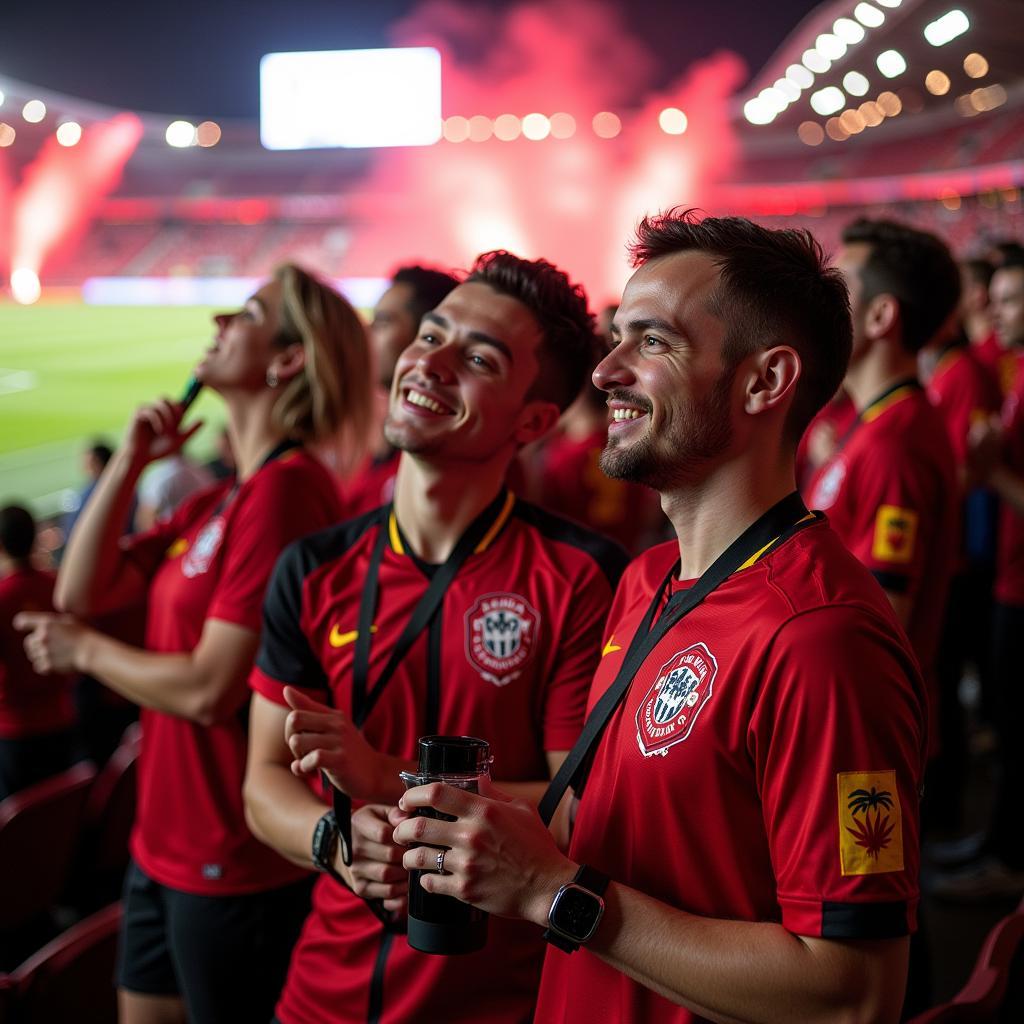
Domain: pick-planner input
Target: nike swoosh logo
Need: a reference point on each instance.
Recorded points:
(611, 647)
(339, 639)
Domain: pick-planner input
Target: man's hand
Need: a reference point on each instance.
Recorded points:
(376, 870)
(501, 857)
(55, 643)
(324, 739)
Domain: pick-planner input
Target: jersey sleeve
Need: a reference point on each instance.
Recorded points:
(147, 550)
(285, 657)
(890, 499)
(837, 736)
(963, 397)
(277, 510)
(578, 643)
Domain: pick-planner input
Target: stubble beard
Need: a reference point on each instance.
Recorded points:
(662, 462)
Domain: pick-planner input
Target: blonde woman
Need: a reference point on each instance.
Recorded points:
(210, 913)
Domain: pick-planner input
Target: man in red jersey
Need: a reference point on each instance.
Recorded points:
(890, 490)
(745, 847)
(37, 713)
(507, 654)
(413, 291)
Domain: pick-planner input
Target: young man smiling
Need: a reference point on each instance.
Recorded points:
(748, 824)
(506, 653)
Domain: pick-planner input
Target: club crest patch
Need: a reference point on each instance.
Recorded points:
(669, 709)
(828, 486)
(198, 557)
(870, 823)
(895, 534)
(500, 633)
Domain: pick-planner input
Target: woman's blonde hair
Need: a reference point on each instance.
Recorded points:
(330, 402)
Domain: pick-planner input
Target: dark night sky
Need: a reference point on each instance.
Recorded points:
(193, 58)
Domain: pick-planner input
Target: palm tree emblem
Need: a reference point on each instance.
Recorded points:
(872, 835)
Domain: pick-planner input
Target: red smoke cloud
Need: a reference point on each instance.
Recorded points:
(62, 187)
(573, 201)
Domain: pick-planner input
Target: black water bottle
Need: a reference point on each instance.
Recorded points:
(443, 924)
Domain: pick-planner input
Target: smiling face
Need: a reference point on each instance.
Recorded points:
(244, 345)
(459, 390)
(669, 393)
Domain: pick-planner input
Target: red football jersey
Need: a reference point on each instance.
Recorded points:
(764, 766)
(30, 704)
(1001, 362)
(1009, 588)
(892, 496)
(573, 485)
(213, 562)
(963, 391)
(372, 486)
(840, 413)
(520, 636)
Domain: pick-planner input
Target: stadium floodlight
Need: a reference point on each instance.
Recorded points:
(536, 127)
(827, 101)
(855, 83)
(773, 100)
(848, 30)
(889, 3)
(800, 76)
(788, 89)
(69, 133)
(34, 111)
(180, 134)
(816, 62)
(672, 121)
(946, 28)
(830, 46)
(757, 112)
(891, 63)
(2, 97)
(351, 99)
(868, 16)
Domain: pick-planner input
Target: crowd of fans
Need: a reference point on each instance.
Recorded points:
(467, 408)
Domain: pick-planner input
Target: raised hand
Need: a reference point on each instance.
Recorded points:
(53, 642)
(155, 431)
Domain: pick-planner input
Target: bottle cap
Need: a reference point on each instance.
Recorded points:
(453, 755)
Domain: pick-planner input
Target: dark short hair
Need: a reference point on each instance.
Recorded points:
(913, 266)
(101, 452)
(1013, 263)
(568, 329)
(1009, 250)
(775, 287)
(17, 531)
(980, 271)
(429, 287)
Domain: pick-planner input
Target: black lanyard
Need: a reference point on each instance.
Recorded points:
(777, 525)
(425, 613)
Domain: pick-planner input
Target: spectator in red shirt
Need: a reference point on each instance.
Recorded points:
(210, 913)
(37, 713)
(738, 827)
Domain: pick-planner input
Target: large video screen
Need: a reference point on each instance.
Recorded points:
(350, 98)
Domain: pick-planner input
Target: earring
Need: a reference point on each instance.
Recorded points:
(272, 379)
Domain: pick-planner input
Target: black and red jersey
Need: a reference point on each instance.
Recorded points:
(764, 765)
(212, 560)
(512, 653)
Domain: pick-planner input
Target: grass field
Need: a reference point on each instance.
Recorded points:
(70, 373)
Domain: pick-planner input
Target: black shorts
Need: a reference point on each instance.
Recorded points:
(226, 956)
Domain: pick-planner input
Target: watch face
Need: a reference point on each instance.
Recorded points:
(577, 912)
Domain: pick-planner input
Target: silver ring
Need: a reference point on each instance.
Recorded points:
(440, 861)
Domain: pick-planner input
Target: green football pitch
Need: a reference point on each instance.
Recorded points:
(71, 373)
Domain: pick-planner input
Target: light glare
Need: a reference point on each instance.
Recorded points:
(788, 89)
(946, 28)
(672, 121)
(606, 125)
(816, 62)
(756, 112)
(848, 30)
(180, 134)
(975, 65)
(7, 134)
(563, 126)
(870, 17)
(69, 133)
(25, 286)
(830, 46)
(800, 76)
(937, 82)
(827, 101)
(507, 128)
(208, 134)
(536, 127)
(34, 111)
(855, 83)
(891, 63)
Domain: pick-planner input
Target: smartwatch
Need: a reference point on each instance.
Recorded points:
(325, 844)
(576, 910)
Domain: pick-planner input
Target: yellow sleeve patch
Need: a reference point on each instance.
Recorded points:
(179, 547)
(895, 534)
(870, 823)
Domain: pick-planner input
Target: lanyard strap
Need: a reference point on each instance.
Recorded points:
(282, 448)
(426, 610)
(778, 524)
